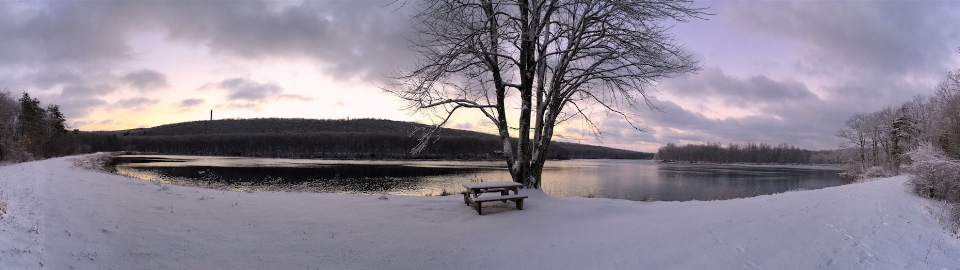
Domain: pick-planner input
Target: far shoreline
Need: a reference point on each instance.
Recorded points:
(751, 164)
(122, 153)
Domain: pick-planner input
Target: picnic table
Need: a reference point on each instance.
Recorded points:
(471, 196)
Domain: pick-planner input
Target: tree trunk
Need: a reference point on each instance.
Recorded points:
(564, 51)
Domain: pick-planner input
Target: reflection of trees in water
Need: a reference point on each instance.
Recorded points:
(710, 182)
(353, 178)
(593, 178)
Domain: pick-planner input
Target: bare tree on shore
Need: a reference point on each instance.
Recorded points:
(555, 58)
(881, 138)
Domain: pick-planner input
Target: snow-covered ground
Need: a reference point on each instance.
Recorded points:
(62, 217)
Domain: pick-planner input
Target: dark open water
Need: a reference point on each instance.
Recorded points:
(639, 180)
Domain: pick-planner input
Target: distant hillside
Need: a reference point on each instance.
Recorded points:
(311, 138)
(280, 125)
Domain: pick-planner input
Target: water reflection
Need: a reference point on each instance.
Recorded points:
(638, 180)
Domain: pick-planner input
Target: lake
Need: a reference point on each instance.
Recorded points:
(638, 180)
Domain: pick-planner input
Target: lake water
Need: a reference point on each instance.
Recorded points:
(639, 180)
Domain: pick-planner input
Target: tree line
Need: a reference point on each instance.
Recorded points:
(328, 139)
(879, 140)
(757, 153)
(920, 137)
(30, 131)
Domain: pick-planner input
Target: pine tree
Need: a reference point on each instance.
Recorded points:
(30, 123)
(901, 133)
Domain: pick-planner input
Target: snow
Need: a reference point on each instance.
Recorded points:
(498, 197)
(62, 217)
(491, 184)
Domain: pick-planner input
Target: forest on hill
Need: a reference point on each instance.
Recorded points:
(755, 153)
(312, 138)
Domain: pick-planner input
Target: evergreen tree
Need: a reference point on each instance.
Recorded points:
(56, 121)
(30, 123)
(901, 134)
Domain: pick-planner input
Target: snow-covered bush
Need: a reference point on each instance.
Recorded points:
(934, 174)
(95, 162)
(875, 172)
(955, 217)
(3, 205)
(937, 176)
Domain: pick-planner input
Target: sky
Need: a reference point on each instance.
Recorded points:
(772, 71)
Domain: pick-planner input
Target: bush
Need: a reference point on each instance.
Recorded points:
(96, 162)
(954, 216)
(876, 172)
(934, 174)
(937, 176)
(3, 205)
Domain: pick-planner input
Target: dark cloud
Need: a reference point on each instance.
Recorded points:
(247, 90)
(351, 40)
(135, 102)
(83, 91)
(192, 102)
(862, 56)
(77, 100)
(145, 79)
(50, 78)
(783, 111)
(677, 124)
(73, 108)
(858, 37)
(355, 39)
(64, 32)
(807, 122)
(247, 94)
(757, 90)
(785, 100)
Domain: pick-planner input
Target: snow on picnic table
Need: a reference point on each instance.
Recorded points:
(61, 217)
(491, 184)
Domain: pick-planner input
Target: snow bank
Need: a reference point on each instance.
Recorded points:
(61, 217)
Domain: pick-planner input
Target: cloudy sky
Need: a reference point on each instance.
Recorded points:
(773, 71)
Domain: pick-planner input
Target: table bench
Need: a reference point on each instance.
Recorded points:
(471, 196)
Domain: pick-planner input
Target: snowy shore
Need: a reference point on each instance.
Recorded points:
(62, 217)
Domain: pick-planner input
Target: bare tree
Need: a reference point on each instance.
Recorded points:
(881, 137)
(948, 96)
(553, 57)
(925, 112)
(9, 110)
(857, 136)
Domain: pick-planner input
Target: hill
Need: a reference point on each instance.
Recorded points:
(312, 138)
(282, 125)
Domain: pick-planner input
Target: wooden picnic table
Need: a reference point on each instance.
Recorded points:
(477, 188)
(471, 196)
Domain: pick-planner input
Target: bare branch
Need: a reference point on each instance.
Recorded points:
(546, 55)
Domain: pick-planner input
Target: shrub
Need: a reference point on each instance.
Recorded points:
(954, 216)
(96, 162)
(876, 172)
(934, 174)
(3, 205)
